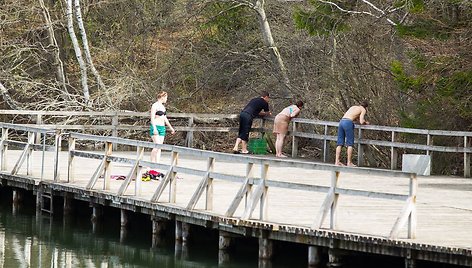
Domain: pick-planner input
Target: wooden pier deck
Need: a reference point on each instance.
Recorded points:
(444, 207)
(356, 209)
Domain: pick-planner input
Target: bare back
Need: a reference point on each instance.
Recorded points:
(356, 113)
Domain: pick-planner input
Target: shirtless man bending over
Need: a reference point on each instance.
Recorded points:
(346, 131)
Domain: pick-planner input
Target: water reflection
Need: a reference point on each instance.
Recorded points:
(28, 240)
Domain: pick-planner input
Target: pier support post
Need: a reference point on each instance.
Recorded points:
(158, 226)
(334, 258)
(266, 248)
(410, 263)
(96, 214)
(178, 231)
(67, 205)
(16, 196)
(181, 237)
(123, 225)
(16, 201)
(185, 232)
(123, 218)
(314, 256)
(182, 231)
(224, 244)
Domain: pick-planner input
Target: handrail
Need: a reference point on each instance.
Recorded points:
(262, 183)
(193, 118)
(257, 197)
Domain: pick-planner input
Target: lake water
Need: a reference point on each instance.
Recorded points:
(28, 239)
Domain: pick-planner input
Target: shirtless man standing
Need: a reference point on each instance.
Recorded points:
(346, 130)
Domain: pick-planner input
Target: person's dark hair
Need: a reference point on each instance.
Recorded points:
(264, 94)
(365, 103)
(299, 104)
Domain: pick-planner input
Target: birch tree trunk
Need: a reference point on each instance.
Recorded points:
(60, 76)
(78, 52)
(88, 57)
(274, 51)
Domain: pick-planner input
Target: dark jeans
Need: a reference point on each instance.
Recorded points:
(245, 124)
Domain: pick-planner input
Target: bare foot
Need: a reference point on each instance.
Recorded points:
(339, 164)
(351, 165)
(282, 155)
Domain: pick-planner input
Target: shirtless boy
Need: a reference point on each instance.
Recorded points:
(346, 131)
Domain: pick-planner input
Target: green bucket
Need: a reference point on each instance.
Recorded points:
(257, 146)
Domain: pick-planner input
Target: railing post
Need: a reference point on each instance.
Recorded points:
(263, 205)
(114, 133)
(263, 126)
(412, 216)
(58, 142)
(209, 186)
(467, 157)
(43, 156)
(190, 132)
(39, 121)
(429, 141)
(325, 145)
(294, 140)
(29, 162)
(334, 184)
(173, 178)
(360, 150)
(70, 167)
(249, 174)
(393, 154)
(139, 172)
(4, 148)
(107, 168)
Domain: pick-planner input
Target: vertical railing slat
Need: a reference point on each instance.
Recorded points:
(412, 218)
(360, 150)
(190, 132)
(467, 144)
(57, 144)
(334, 205)
(71, 166)
(294, 140)
(325, 145)
(393, 154)
(263, 205)
(107, 166)
(4, 148)
(209, 186)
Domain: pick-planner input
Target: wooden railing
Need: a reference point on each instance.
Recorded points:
(254, 188)
(392, 143)
(326, 135)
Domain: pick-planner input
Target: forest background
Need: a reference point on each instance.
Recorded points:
(411, 59)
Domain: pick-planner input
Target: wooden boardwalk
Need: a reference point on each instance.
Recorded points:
(444, 204)
(360, 209)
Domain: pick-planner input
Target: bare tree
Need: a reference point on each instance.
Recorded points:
(60, 76)
(372, 10)
(78, 51)
(258, 7)
(88, 57)
(8, 99)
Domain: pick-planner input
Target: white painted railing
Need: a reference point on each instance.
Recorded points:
(114, 122)
(254, 188)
